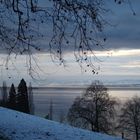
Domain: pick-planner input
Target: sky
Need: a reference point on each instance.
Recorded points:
(119, 62)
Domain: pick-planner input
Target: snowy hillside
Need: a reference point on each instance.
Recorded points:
(20, 126)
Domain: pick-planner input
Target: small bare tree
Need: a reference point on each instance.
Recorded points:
(95, 109)
(50, 111)
(62, 117)
(31, 99)
(129, 121)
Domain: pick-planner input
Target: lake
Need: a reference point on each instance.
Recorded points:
(63, 97)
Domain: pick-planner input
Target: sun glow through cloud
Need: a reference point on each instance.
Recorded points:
(114, 63)
(116, 53)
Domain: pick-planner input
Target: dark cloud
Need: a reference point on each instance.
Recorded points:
(125, 29)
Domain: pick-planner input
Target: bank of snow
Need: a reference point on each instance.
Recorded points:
(20, 126)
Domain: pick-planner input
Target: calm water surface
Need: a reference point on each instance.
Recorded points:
(63, 98)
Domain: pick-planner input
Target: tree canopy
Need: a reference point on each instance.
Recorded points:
(22, 97)
(94, 110)
(12, 97)
(129, 120)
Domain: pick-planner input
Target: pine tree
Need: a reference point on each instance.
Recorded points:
(12, 97)
(4, 95)
(22, 97)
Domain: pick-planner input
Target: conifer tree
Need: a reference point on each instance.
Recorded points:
(22, 97)
(4, 95)
(12, 97)
(4, 92)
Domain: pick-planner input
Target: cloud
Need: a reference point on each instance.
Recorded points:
(133, 64)
(125, 32)
(122, 32)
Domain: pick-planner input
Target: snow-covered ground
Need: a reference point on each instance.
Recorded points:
(20, 126)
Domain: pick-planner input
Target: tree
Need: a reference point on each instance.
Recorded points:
(49, 116)
(12, 97)
(31, 101)
(75, 25)
(62, 116)
(22, 97)
(4, 100)
(129, 121)
(95, 109)
(51, 110)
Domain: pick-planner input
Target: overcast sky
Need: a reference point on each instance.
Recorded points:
(120, 63)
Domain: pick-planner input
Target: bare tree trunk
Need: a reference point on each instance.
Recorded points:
(137, 134)
(122, 135)
(96, 115)
(31, 101)
(92, 127)
(51, 110)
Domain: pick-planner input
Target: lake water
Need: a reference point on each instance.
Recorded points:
(62, 98)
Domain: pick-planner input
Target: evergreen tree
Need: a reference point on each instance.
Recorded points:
(12, 97)
(4, 92)
(4, 95)
(22, 97)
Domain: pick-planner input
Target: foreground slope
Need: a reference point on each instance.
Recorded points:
(20, 126)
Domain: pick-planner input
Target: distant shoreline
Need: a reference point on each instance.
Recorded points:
(110, 87)
(83, 87)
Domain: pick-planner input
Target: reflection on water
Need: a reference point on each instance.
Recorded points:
(63, 98)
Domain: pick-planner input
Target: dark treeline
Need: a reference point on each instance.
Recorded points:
(22, 100)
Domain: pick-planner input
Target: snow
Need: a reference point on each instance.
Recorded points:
(20, 126)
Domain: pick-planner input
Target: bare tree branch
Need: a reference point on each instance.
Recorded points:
(71, 24)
